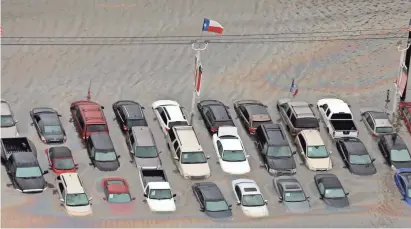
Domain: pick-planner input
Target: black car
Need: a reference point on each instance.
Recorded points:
(214, 114)
(211, 200)
(395, 151)
(252, 114)
(101, 152)
(356, 157)
(331, 190)
(48, 125)
(272, 143)
(128, 114)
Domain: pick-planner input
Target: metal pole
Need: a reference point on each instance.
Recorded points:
(196, 47)
(397, 82)
(407, 62)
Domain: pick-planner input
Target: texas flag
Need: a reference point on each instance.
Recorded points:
(294, 88)
(212, 26)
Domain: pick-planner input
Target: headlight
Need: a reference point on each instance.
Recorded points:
(273, 171)
(293, 170)
(19, 190)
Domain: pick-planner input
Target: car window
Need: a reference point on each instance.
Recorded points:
(370, 122)
(210, 116)
(93, 152)
(62, 190)
(162, 114)
(122, 114)
(175, 145)
(79, 116)
(172, 135)
(328, 112)
(132, 139)
(200, 197)
(178, 152)
(325, 107)
(288, 112)
(220, 148)
(317, 152)
(265, 148)
(293, 119)
(245, 113)
(7, 121)
(321, 188)
(106, 191)
(147, 189)
(400, 155)
(302, 142)
(402, 183)
(294, 196)
(238, 192)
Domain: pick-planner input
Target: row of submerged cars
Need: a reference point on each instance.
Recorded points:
(20, 157)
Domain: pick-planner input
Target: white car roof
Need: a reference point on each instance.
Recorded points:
(231, 144)
(5, 108)
(73, 183)
(336, 105)
(159, 185)
(164, 103)
(227, 131)
(312, 137)
(247, 186)
(174, 112)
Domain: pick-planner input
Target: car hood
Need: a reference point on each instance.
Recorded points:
(236, 168)
(79, 210)
(319, 163)
(9, 132)
(107, 165)
(151, 163)
(363, 170)
(196, 169)
(167, 205)
(337, 203)
(220, 215)
(401, 165)
(260, 211)
(54, 137)
(34, 184)
(297, 207)
(281, 163)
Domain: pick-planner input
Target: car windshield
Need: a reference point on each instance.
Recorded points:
(409, 192)
(360, 159)
(78, 199)
(334, 193)
(193, 158)
(105, 156)
(136, 122)
(233, 155)
(96, 128)
(400, 155)
(160, 194)
(119, 197)
(146, 151)
(294, 196)
(52, 130)
(253, 200)
(216, 206)
(7, 121)
(317, 152)
(63, 163)
(28, 172)
(279, 151)
(384, 129)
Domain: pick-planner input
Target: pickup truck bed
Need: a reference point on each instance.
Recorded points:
(152, 175)
(343, 125)
(14, 145)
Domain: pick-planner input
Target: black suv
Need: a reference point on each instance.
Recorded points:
(275, 150)
(101, 152)
(128, 114)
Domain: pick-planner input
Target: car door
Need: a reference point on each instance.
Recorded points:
(237, 192)
(244, 116)
(162, 118)
(370, 123)
(321, 188)
(219, 150)
(385, 149)
(120, 117)
(210, 118)
(36, 123)
(301, 145)
(60, 188)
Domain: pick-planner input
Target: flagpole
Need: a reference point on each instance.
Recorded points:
(196, 46)
(407, 61)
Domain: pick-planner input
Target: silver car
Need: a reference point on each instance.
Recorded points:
(142, 147)
(291, 194)
(8, 122)
(377, 121)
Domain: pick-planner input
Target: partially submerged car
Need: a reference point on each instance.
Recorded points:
(331, 190)
(291, 194)
(377, 121)
(250, 198)
(116, 190)
(395, 151)
(8, 122)
(142, 146)
(313, 151)
(252, 113)
(128, 114)
(402, 179)
(169, 114)
(61, 160)
(214, 114)
(211, 200)
(88, 117)
(48, 125)
(297, 115)
(101, 152)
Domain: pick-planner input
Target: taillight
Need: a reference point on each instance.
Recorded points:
(252, 130)
(46, 151)
(43, 139)
(358, 132)
(213, 129)
(125, 128)
(166, 129)
(64, 138)
(374, 135)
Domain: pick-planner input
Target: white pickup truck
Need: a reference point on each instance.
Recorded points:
(157, 190)
(337, 118)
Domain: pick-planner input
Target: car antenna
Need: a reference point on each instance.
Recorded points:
(89, 92)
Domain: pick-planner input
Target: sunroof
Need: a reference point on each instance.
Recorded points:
(250, 189)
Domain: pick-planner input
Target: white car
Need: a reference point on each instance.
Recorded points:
(230, 151)
(8, 122)
(169, 113)
(249, 197)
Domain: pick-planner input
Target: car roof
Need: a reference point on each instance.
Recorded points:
(393, 142)
(275, 134)
(102, 141)
(92, 112)
(312, 137)
(231, 144)
(209, 102)
(174, 112)
(60, 151)
(378, 115)
(301, 108)
(220, 112)
(142, 136)
(355, 146)
(24, 158)
(249, 188)
(49, 118)
(256, 109)
(188, 139)
(132, 111)
(117, 188)
(5, 108)
(73, 183)
(289, 183)
(211, 191)
(338, 106)
(331, 181)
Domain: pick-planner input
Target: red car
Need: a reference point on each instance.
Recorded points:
(405, 108)
(116, 190)
(61, 160)
(88, 117)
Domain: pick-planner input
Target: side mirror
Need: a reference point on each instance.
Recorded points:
(145, 195)
(59, 115)
(62, 200)
(143, 108)
(294, 152)
(118, 156)
(104, 198)
(238, 203)
(174, 195)
(321, 196)
(45, 172)
(247, 156)
(176, 158)
(102, 107)
(208, 157)
(16, 121)
(202, 209)
(91, 163)
(89, 199)
(372, 160)
(131, 161)
(266, 201)
(133, 198)
(310, 105)
(159, 152)
(280, 201)
(230, 206)
(307, 198)
(347, 193)
(71, 120)
(76, 165)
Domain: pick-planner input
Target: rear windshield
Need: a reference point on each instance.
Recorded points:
(256, 124)
(136, 122)
(341, 116)
(96, 128)
(307, 123)
(384, 130)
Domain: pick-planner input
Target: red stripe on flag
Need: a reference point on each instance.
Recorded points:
(213, 29)
(295, 92)
(198, 82)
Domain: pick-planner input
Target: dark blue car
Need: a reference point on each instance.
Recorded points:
(402, 179)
